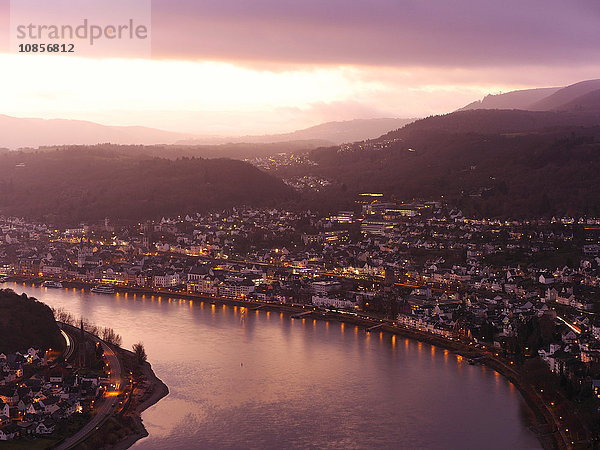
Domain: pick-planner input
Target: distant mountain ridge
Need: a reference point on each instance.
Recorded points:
(18, 132)
(583, 95)
(560, 100)
(511, 100)
(30, 132)
(330, 132)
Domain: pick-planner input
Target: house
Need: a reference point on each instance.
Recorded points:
(9, 432)
(4, 409)
(546, 279)
(197, 273)
(26, 427)
(236, 289)
(50, 405)
(9, 395)
(332, 301)
(166, 279)
(569, 337)
(324, 287)
(204, 284)
(45, 427)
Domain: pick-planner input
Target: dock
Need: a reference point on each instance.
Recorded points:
(374, 327)
(300, 315)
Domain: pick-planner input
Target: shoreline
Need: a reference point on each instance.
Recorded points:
(158, 391)
(541, 414)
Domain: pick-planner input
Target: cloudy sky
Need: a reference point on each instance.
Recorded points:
(259, 66)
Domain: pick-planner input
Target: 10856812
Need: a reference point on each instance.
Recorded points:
(46, 48)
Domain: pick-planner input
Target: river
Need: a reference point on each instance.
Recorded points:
(257, 379)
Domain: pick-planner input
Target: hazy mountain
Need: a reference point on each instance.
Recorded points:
(565, 96)
(587, 102)
(30, 132)
(493, 121)
(81, 184)
(331, 132)
(511, 100)
(20, 132)
(575, 97)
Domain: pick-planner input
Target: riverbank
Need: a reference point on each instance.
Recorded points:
(124, 427)
(544, 423)
(152, 392)
(543, 417)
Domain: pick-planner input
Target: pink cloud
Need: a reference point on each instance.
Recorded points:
(379, 32)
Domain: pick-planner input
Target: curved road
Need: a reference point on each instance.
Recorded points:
(70, 348)
(104, 406)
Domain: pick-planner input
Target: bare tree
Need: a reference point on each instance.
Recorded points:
(110, 336)
(61, 315)
(107, 334)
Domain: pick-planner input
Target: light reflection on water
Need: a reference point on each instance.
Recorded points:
(262, 380)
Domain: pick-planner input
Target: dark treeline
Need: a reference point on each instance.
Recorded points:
(241, 150)
(80, 184)
(544, 172)
(25, 323)
(496, 121)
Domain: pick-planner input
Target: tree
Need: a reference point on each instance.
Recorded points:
(110, 336)
(140, 352)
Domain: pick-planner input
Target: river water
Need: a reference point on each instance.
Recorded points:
(257, 379)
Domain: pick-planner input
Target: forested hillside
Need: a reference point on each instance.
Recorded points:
(233, 151)
(519, 164)
(496, 121)
(25, 322)
(81, 184)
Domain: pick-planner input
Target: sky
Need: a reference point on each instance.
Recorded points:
(233, 67)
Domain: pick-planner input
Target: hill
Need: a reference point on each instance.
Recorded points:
(33, 133)
(25, 323)
(328, 133)
(564, 96)
(233, 151)
(521, 99)
(575, 97)
(73, 185)
(587, 102)
(484, 121)
(23, 132)
(491, 163)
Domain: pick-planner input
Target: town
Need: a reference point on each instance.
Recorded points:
(518, 289)
(43, 394)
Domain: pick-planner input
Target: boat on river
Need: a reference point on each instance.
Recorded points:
(103, 289)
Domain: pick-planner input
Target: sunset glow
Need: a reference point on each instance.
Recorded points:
(234, 77)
